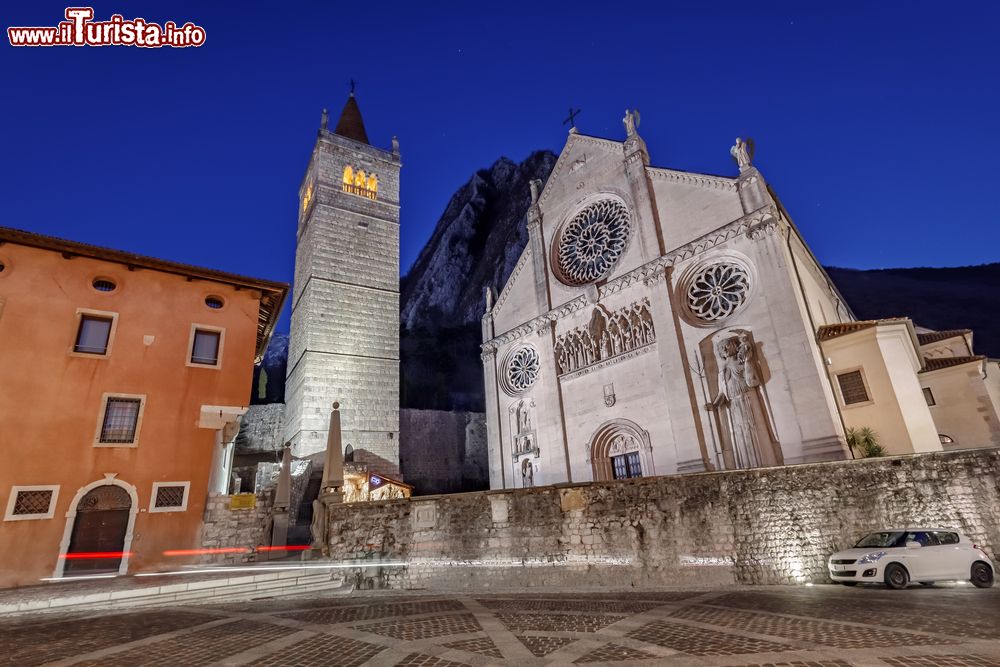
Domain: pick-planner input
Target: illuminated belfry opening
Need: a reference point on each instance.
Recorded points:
(359, 183)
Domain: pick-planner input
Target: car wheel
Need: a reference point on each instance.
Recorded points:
(896, 576)
(849, 583)
(982, 575)
(926, 583)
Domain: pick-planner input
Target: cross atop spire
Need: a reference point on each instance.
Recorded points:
(353, 83)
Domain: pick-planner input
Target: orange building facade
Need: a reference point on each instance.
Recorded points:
(123, 379)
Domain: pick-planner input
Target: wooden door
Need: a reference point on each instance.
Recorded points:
(100, 526)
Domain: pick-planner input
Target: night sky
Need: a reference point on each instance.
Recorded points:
(876, 123)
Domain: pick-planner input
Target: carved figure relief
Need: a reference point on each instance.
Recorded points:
(623, 443)
(607, 335)
(527, 473)
(740, 403)
(522, 428)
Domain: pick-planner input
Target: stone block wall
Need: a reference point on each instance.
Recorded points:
(442, 451)
(261, 430)
(226, 528)
(761, 526)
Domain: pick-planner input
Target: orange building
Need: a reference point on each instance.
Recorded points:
(123, 379)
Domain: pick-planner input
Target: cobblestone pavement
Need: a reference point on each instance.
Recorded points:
(822, 626)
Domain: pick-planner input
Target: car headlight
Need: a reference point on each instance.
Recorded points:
(872, 558)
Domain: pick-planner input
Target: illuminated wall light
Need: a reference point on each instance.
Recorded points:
(85, 555)
(202, 552)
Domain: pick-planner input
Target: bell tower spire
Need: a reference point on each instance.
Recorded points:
(350, 124)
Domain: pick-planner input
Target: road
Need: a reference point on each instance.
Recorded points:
(821, 626)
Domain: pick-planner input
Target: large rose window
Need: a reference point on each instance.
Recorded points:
(591, 243)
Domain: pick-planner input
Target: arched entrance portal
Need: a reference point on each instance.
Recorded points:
(100, 527)
(619, 450)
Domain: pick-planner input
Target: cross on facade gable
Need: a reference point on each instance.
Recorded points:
(571, 119)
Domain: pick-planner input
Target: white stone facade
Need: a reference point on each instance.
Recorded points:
(659, 322)
(344, 343)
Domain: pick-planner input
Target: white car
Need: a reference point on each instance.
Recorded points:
(924, 555)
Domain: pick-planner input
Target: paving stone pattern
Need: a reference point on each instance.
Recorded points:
(774, 627)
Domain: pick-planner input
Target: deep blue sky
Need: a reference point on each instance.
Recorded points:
(875, 122)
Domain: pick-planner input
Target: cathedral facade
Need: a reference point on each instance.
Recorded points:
(661, 321)
(344, 343)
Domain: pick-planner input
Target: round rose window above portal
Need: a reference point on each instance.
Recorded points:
(520, 369)
(590, 244)
(718, 290)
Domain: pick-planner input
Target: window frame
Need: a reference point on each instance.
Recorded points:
(929, 397)
(138, 420)
(180, 508)
(195, 327)
(628, 463)
(840, 390)
(78, 322)
(12, 501)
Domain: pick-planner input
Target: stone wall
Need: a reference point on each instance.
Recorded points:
(442, 451)
(261, 430)
(761, 526)
(226, 528)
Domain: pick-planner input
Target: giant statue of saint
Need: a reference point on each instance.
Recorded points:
(747, 428)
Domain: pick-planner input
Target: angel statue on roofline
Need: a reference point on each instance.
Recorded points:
(742, 152)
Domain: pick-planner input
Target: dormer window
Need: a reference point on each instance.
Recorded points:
(357, 182)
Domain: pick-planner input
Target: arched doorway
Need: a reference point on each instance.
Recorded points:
(620, 450)
(102, 521)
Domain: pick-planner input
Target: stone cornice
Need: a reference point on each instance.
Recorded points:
(754, 225)
(687, 178)
(762, 222)
(604, 363)
(539, 324)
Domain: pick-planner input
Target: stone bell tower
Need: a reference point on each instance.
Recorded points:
(344, 342)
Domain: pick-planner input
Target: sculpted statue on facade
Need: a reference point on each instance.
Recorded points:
(523, 418)
(536, 186)
(630, 121)
(747, 427)
(741, 151)
(522, 426)
(527, 473)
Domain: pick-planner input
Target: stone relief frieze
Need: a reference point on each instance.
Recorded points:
(607, 335)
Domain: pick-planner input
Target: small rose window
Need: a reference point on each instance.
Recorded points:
(718, 291)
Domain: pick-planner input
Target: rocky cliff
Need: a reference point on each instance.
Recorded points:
(476, 243)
